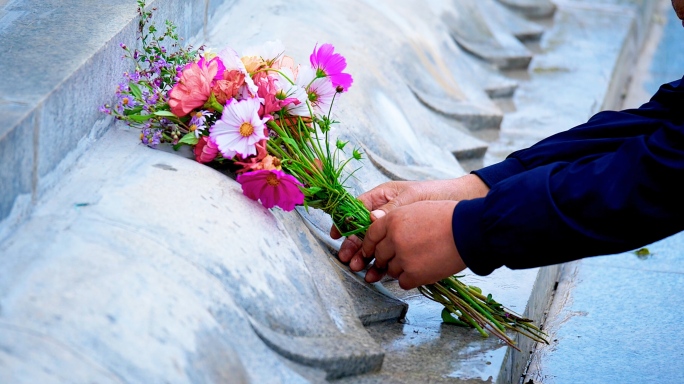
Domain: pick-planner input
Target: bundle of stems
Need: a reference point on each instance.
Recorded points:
(304, 148)
(466, 306)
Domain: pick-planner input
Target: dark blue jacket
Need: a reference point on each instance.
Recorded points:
(607, 186)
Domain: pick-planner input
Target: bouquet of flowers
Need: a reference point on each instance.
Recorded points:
(269, 119)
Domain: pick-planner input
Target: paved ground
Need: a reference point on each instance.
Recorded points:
(615, 318)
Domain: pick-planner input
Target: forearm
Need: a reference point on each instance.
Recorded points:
(569, 210)
(603, 134)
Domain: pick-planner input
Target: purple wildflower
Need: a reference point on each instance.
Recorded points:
(198, 122)
(105, 109)
(151, 137)
(125, 101)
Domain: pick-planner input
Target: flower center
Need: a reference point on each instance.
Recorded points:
(272, 180)
(192, 128)
(313, 97)
(246, 129)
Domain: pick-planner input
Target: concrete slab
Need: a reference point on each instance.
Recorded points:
(595, 38)
(616, 325)
(471, 28)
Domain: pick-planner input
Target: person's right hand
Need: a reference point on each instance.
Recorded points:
(394, 194)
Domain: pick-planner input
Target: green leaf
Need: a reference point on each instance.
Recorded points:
(449, 318)
(135, 90)
(189, 139)
(313, 190)
(132, 111)
(139, 118)
(165, 113)
(643, 253)
(290, 141)
(476, 289)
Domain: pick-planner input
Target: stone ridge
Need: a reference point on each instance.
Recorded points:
(58, 68)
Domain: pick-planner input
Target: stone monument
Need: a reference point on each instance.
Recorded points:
(119, 263)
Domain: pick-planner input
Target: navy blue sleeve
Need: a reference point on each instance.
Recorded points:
(604, 187)
(604, 133)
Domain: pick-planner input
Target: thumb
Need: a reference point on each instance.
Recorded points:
(378, 213)
(387, 208)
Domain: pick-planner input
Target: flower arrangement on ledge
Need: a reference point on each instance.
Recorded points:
(269, 119)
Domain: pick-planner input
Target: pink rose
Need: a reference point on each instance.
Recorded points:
(205, 150)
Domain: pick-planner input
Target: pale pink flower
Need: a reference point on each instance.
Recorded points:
(289, 94)
(320, 94)
(239, 129)
(329, 64)
(194, 87)
(286, 62)
(272, 188)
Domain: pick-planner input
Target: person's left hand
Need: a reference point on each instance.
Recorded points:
(414, 244)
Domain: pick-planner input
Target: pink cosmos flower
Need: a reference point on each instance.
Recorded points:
(239, 129)
(206, 150)
(194, 87)
(329, 64)
(320, 94)
(290, 95)
(273, 188)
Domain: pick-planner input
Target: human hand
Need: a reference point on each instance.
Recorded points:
(388, 196)
(414, 244)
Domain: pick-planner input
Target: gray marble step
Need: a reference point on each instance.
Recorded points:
(532, 8)
(49, 109)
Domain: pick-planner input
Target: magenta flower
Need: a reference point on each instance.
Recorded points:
(239, 129)
(272, 188)
(329, 64)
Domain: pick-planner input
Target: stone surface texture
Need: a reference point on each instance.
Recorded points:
(119, 263)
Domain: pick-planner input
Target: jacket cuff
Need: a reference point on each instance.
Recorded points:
(500, 171)
(466, 226)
